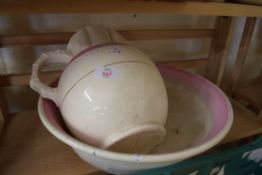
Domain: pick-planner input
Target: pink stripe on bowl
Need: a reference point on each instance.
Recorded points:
(211, 95)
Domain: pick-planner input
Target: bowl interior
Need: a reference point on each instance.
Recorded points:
(198, 111)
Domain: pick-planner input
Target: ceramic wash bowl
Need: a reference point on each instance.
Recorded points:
(199, 117)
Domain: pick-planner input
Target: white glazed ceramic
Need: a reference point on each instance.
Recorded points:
(110, 95)
(200, 116)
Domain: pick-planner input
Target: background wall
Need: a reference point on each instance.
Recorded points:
(253, 64)
(17, 60)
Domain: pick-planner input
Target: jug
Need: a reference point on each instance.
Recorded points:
(110, 94)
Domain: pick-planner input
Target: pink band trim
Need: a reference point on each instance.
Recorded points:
(213, 98)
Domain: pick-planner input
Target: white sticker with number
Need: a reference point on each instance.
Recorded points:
(106, 73)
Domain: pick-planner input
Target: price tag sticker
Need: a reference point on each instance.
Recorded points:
(105, 73)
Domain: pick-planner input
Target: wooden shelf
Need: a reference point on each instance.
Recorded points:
(251, 91)
(27, 148)
(244, 124)
(124, 6)
(1, 125)
(131, 35)
(1, 120)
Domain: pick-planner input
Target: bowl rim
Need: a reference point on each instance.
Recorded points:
(146, 158)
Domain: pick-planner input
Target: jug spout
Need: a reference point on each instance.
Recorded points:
(90, 36)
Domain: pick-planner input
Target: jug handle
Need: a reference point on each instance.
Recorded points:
(58, 56)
